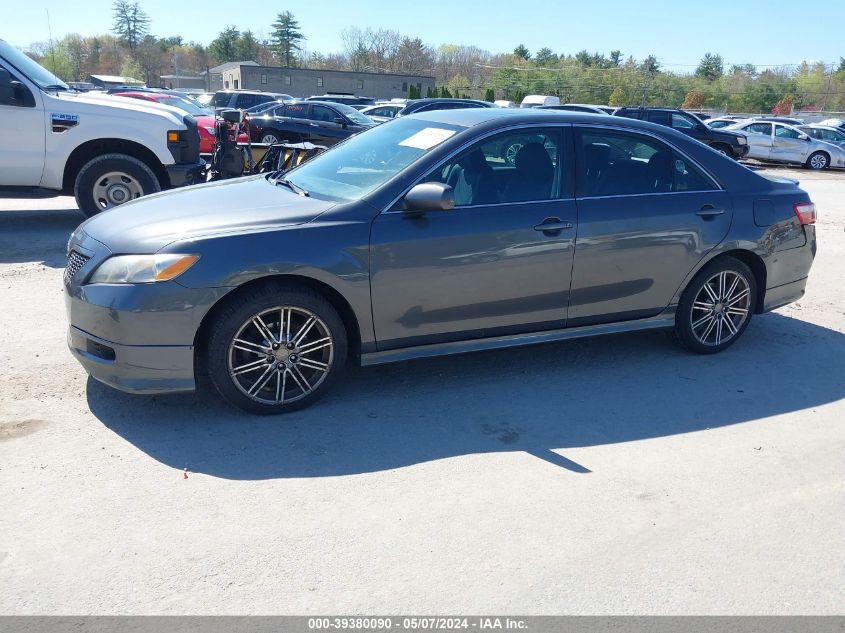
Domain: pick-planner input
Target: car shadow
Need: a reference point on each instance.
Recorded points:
(541, 400)
(37, 236)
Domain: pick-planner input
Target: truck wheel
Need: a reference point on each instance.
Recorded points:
(110, 180)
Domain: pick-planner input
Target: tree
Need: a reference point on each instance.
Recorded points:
(413, 92)
(616, 58)
(617, 97)
(784, 106)
(545, 57)
(224, 48)
(489, 95)
(131, 69)
(247, 46)
(130, 23)
(286, 38)
(650, 65)
(694, 100)
(710, 67)
(522, 52)
(431, 92)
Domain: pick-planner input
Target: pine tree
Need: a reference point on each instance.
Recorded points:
(130, 23)
(285, 38)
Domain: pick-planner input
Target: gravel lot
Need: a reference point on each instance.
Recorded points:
(614, 475)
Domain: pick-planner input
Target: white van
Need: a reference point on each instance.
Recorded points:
(535, 101)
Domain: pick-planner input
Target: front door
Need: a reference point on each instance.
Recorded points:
(646, 217)
(23, 138)
(788, 145)
(325, 130)
(759, 136)
(498, 263)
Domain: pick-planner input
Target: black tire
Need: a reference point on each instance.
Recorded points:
(269, 133)
(723, 149)
(690, 310)
(234, 320)
(818, 161)
(140, 178)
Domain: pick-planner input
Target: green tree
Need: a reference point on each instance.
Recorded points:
(650, 65)
(131, 69)
(286, 38)
(431, 92)
(444, 92)
(710, 68)
(617, 97)
(247, 46)
(56, 60)
(224, 48)
(615, 58)
(489, 95)
(545, 57)
(131, 24)
(522, 52)
(413, 92)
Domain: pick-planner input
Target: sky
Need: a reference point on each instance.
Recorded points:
(677, 32)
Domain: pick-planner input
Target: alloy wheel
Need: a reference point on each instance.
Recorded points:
(721, 308)
(818, 161)
(280, 355)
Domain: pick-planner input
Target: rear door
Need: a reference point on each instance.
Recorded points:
(647, 214)
(759, 136)
(788, 145)
(295, 126)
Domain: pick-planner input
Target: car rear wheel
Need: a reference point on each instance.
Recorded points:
(110, 180)
(818, 160)
(276, 349)
(716, 307)
(269, 137)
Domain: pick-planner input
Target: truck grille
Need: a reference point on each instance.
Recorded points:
(75, 261)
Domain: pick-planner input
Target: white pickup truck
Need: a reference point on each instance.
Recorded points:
(104, 149)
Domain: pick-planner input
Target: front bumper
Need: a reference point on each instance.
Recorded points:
(182, 174)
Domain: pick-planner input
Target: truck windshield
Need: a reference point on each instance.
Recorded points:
(30, 68)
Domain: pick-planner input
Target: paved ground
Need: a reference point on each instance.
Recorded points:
(617, 475)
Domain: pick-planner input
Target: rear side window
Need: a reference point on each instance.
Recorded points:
(621, 163)
(659, 117)
(221, 99)
(297, 110)
(680, 122)
(760, 128)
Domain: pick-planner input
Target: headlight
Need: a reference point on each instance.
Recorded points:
(140, 269)
(741, 140)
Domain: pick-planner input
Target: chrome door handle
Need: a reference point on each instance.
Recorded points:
(708, 211)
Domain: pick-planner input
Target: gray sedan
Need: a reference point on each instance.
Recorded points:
(774, 142)
(418, 239)
(825, 133)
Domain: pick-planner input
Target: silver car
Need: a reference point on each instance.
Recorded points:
(781, 143)
(825, 133)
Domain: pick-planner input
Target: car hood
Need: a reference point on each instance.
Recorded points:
(725, 134)
(231, 206)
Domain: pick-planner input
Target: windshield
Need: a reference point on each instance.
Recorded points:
(366, 161)
(33, 71)
(353, 115)
(185, 105)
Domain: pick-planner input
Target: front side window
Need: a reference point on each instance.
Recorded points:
(760, 128)
(518, 166)
(830, 135)
(322, 113)
(680, 122)
(786, 132)
(621, 163)
(20, 96)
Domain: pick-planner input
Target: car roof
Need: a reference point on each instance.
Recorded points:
(469, 117)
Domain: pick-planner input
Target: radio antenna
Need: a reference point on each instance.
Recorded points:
(52, 46)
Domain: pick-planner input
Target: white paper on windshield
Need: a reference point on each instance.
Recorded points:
(427, 138)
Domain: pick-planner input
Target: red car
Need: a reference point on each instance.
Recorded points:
(205, 118)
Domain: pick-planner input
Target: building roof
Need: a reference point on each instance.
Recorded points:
(229, 65)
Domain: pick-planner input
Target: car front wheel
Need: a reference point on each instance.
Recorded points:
(276, 349)
(716, 307)
(818, 160)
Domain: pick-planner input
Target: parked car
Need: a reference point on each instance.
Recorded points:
(432, 103)
(347, 99)
(781, 143)
(840, 123)
(576, 107)
(721, 122)
(317, 122)
(244, 99)
(382, 112)
(375, 250)
(780, 119)
(205, 118)
(826, 133)
(103, 150)
(731, 143)
(535, 101)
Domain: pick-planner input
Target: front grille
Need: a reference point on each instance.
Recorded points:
(75, 261)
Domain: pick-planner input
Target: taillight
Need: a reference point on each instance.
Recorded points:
(805, 212)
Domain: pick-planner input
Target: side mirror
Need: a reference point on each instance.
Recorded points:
(429, 196)
(340, 121)
(7, 93)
